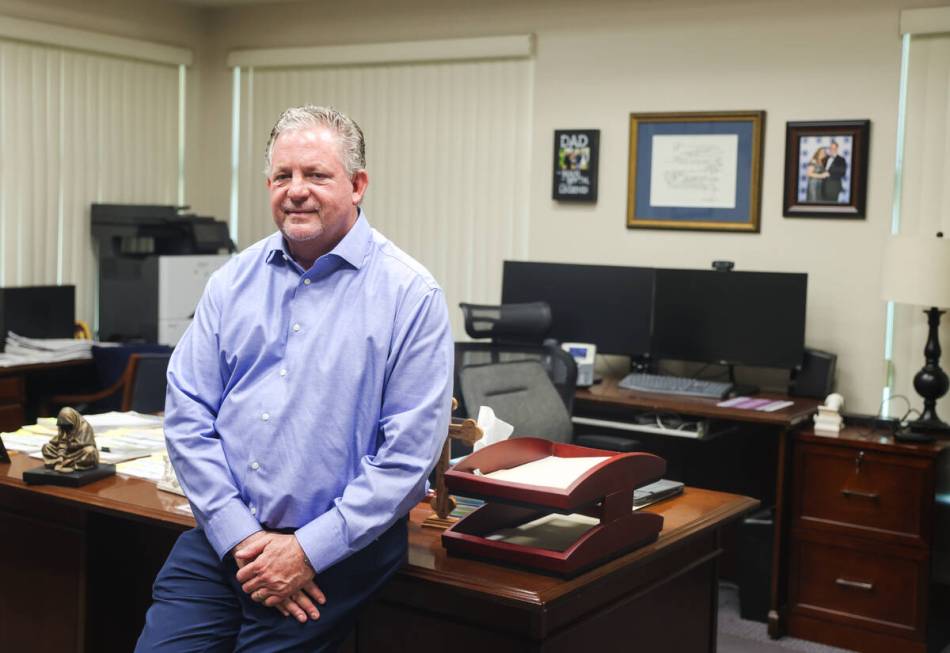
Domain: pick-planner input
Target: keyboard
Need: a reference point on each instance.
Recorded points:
(675, 385)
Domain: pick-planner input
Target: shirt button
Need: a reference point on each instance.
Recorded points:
(283, 372)
(255, 465)
(265, 416)
(306, 282)
(253, 510)
(296, 328)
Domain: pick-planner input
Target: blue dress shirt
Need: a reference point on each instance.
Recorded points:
(312, 400)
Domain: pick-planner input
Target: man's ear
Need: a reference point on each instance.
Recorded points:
(360, 182)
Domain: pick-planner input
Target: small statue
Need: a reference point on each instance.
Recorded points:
(74, 447)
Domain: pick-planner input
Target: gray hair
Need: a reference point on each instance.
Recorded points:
(349, 134)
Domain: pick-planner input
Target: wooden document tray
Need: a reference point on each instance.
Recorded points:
(520, 523)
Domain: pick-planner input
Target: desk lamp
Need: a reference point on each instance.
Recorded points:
(917, 271)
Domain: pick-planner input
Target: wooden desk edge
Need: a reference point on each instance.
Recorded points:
(609, 394)
(86, 497)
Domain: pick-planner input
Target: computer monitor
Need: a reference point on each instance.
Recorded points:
(607, 305)
(37, 312)
(730, 318)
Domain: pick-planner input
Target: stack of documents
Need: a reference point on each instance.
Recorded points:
(21, 350)
(119, 436)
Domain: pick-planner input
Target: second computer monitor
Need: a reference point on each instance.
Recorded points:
(607, 305)
(740, 318)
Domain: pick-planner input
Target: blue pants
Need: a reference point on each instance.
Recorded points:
(198, 605)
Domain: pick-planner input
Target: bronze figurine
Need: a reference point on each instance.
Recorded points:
(74, 447)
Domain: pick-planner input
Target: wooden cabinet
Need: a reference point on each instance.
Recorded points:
(861, 535)
(11, 403)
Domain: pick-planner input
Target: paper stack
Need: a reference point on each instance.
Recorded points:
(21, 350)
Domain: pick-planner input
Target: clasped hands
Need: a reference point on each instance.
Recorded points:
(273, 569)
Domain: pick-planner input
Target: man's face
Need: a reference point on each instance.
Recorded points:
(311, 197)
(833, 149)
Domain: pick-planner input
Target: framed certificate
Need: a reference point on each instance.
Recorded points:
(695, 171)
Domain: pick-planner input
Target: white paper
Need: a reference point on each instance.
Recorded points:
(493, 429)
(151, 468)
(694, 171)
(114, 419)
(551, 471)
(23, 443)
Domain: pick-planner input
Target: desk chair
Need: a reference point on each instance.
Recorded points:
(141, 387)
(528, 381)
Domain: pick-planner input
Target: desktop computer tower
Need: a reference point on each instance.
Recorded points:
(152, 299)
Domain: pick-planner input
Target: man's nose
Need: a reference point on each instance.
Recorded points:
(297, 189)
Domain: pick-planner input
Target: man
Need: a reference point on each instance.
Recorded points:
(836, 168)
(306, 406)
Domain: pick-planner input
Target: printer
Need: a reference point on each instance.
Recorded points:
(154, 263)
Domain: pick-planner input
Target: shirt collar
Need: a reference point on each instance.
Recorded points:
(353, 248)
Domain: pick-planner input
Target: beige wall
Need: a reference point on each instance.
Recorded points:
(597, 61)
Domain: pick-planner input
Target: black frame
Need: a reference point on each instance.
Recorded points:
(855, 208)
(584, 179)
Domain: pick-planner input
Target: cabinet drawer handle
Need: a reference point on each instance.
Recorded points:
(873, 496)
(854, 584)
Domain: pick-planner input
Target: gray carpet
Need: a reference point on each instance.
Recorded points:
(740, 636)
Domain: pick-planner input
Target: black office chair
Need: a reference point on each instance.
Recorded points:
(520, 374)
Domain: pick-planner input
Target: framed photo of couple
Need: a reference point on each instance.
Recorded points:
(826, 169)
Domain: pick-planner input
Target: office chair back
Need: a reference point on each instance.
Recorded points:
(559, 365)
(146, 383)
(508, 323)
(522, 394)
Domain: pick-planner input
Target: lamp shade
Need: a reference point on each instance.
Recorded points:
(917, 271)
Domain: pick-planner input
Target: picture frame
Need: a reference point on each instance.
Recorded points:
(695, 171)
(817, 188)
(576, 157)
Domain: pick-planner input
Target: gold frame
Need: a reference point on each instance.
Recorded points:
(752, 224)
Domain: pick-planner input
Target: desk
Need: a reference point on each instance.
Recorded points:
(75, 564)
(608, 402)
(21, 386)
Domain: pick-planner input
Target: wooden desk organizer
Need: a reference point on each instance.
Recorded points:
(605, 491)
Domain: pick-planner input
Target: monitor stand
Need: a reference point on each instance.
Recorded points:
(741, 389)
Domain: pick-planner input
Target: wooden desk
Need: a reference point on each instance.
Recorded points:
(22, 386)
(608, 402)
(76, 568)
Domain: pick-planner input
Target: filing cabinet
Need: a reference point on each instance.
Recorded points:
(861, 534)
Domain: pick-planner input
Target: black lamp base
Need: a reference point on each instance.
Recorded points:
(931, 382)
(929, 426)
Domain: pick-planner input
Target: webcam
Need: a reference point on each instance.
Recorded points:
(723, 266)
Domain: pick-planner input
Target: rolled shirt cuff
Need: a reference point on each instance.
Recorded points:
(230, 526)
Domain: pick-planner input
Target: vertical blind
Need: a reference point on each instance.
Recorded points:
(77, 128)
(447, 146)
(925, 196)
